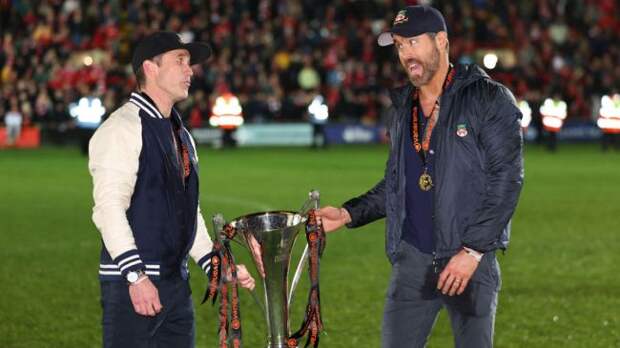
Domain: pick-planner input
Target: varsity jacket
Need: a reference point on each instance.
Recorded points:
(146, 201)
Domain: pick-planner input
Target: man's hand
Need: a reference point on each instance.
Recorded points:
(455, 277)
(145, 297)
(244, 278)
(333, 218)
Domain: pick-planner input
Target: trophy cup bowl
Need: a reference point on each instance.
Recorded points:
(270, 237)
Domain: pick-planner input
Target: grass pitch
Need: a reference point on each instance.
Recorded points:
(560, 283)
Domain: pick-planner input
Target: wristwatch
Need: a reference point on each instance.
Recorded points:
(133, 276)
(476, 254)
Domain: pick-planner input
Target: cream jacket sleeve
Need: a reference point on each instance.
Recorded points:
(114, 153)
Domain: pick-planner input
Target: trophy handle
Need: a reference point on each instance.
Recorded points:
(218, 226)
(313, 202)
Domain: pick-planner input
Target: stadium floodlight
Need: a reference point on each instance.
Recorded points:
(490, 60)
(524, 106)
(318, 110)
(88, 112)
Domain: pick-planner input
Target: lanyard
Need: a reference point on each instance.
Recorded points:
(431, 119)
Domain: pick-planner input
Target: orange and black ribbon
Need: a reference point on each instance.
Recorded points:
(222, 262)
(432, 117)
(312, 324)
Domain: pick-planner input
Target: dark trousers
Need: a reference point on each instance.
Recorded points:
(413, 302)
(172, 327)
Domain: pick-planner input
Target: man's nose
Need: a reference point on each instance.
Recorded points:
(407, 52)
(188, 70)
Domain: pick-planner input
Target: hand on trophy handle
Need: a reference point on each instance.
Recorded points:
(244, 278)
(333, 218)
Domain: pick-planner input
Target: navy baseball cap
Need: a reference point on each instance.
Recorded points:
(413, 21)
(163, 41)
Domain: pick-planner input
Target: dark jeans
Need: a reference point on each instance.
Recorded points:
(172, 327)
(413, 302)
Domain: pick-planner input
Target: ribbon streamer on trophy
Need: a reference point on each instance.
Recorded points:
(269, 236)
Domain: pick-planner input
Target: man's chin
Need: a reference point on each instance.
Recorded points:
(182, 95)
(417, 82)
(416, 79)
(420, 80)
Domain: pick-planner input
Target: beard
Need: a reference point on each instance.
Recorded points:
(429, 66)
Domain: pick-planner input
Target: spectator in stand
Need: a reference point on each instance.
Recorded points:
(13, 121)
(570, 44)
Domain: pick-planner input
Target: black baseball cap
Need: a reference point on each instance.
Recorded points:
(413, 21)
(163, 41)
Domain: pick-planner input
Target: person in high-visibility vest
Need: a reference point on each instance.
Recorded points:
(318, 113)
(524, 106)
(609, 121)
(553, 112)
(227, 114)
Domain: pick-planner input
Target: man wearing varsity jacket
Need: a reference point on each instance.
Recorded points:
(145, 186)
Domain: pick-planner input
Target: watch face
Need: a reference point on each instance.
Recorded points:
(132, 276)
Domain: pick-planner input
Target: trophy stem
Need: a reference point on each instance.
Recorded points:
(276, 264)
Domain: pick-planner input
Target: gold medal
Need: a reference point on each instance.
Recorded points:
(425, 182)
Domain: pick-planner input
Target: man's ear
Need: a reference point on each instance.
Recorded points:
(149, 67)
(442, 39)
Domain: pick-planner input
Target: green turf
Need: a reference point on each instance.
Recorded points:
(560, 276)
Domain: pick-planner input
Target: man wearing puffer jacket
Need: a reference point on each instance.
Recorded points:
(451, 185)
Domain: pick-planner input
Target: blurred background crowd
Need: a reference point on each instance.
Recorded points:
(275, 55)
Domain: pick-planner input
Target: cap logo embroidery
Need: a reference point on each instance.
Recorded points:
(401, 17)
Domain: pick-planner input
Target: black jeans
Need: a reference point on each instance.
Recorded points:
(172, 327)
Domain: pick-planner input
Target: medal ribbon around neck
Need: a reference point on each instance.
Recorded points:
(431, 118)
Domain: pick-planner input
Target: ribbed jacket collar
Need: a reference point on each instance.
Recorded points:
(144, 102)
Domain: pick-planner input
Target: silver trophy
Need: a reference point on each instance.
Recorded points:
(270, 237)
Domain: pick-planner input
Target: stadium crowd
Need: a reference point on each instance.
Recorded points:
(275, 55)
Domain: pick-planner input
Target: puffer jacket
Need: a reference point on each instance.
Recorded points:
(478, 170)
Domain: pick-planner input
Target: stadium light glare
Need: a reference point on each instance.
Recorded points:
(490, 61)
